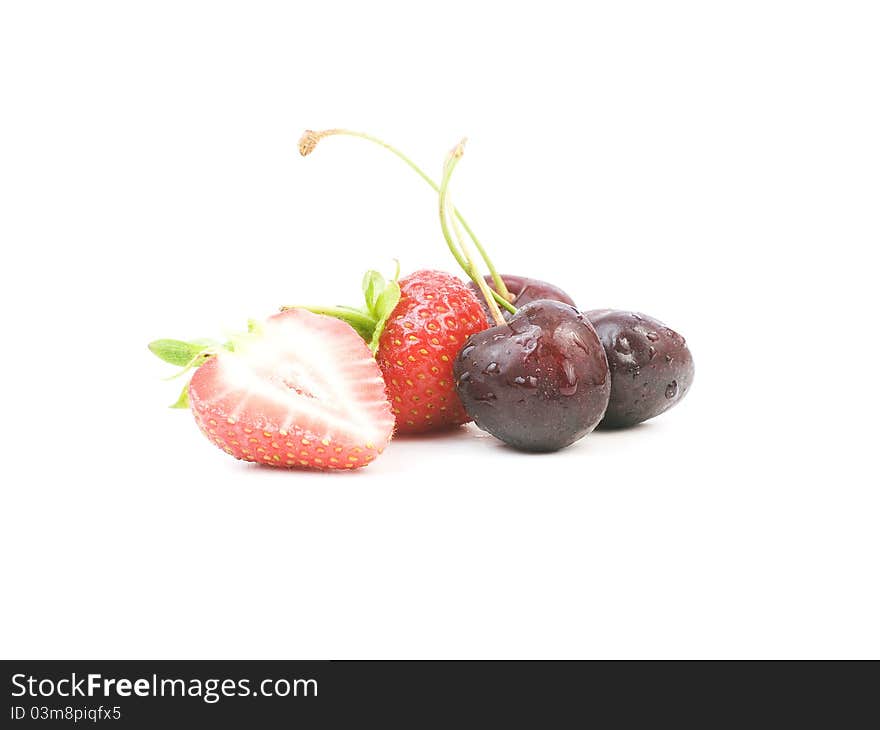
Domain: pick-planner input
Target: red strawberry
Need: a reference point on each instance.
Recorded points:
(435, 315)
(303, 390)
(416, 327)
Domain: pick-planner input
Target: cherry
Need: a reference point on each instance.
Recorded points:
(538, 382)
(651, 366)
(524, 290)
(647, 366)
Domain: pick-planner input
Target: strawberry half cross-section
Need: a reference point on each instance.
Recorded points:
(303, 390)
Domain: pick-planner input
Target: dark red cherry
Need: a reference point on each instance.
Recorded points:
(524, 290)
(651, 366)
(539, 382)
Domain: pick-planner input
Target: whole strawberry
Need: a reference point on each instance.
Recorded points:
(435, 315)
(415, 327)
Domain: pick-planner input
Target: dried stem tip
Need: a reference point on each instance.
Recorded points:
(308, 142)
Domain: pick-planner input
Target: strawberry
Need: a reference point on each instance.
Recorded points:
(299, 390)
(435, 315)
(416, 342)
(416, 328)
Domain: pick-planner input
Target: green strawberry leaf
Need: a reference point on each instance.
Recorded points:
(179, 352)
(196, 362)
(373, 286)
(194, 353)
(385, 305)
(183, 400)
(380, 299)
(362, 322)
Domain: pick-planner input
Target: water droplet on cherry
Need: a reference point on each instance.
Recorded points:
(570, 386)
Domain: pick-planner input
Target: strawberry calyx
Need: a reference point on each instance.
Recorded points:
(191, 354)
(380, 299)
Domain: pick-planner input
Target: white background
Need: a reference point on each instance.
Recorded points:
(716, 165)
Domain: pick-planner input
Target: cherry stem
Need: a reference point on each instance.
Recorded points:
(309, 141)
(467, 263)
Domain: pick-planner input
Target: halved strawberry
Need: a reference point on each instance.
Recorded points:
(300, 390)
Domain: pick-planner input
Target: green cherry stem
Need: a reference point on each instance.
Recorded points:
(309, 141)
(467, 264)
